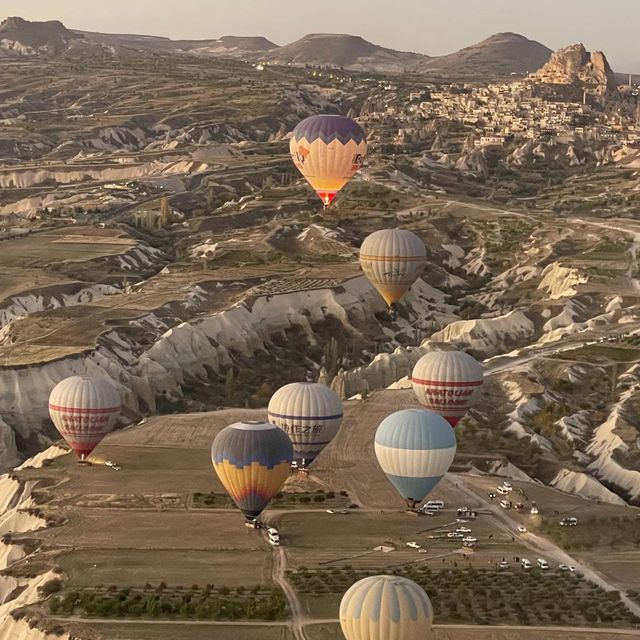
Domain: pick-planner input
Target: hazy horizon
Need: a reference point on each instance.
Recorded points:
(407, 25)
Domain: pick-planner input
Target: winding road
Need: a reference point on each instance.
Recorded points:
(298, 617)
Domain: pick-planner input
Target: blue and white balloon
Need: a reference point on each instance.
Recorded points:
(415, 448)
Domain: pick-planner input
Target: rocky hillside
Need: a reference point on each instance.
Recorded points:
(20, 37)
(228, 46)
(501, 54)
(351, 52)
(574, 65)
(232, 46)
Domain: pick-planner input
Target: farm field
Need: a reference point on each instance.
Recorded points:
(161, 535)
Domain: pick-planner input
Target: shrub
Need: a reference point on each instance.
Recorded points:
(50, 587)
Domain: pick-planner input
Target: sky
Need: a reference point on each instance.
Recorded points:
(434, 27)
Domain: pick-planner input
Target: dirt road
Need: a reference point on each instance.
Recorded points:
(298, 617)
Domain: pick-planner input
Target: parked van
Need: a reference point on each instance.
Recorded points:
(273, 536)
(505, 504)
(435, 504)
(543, 564)
(526, 564)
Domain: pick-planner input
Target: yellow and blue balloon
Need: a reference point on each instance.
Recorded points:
(252, 460)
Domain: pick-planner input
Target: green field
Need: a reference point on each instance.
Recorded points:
(512, 596)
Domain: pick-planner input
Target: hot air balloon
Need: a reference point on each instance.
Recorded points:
(392, 260)
(252, 460)
(447, 382)
(415, 448)
(328, 150)
(310, 414)
(84, 410)
(386, 608)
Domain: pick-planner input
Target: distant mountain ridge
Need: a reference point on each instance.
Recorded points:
(499, 55)
(502, 53)
(343, 50)
(225, 45)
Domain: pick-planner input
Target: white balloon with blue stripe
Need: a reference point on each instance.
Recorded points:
(386, 608)
(415, 448)
(310, 414)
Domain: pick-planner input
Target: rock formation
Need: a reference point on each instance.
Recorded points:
(574, 65)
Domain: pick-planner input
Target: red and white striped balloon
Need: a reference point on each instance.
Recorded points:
(84, 410)
(448, 383)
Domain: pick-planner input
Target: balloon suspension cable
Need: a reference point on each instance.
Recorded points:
(411, 503)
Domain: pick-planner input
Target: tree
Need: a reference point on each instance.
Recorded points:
(165, 211)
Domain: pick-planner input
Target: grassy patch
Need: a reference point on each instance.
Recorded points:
(207, 603)
(595, 532)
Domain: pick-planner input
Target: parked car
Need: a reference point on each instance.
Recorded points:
(504, 565)
(330, 511)
(507, 485)
(501, 491)
(522, 529)
(543, 564)
(564, 567)
(413, 545)
(463, 530)
(344, 512)
(470, 539)
(421, 550)
(526, 564)
(505, 504)
(455, 534)
(569, 522)
(534, 510)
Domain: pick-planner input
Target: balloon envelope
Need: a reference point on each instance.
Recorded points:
(415, 448)
(386, 608)
(252, 460)
(392, 260)
(447, 382)
(84, 410)
(328, 150)
(310, 414)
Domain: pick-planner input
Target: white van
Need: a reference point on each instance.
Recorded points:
(273, 536)
(543, 564)
(526, 564)
(505, 504)
(435, 504)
